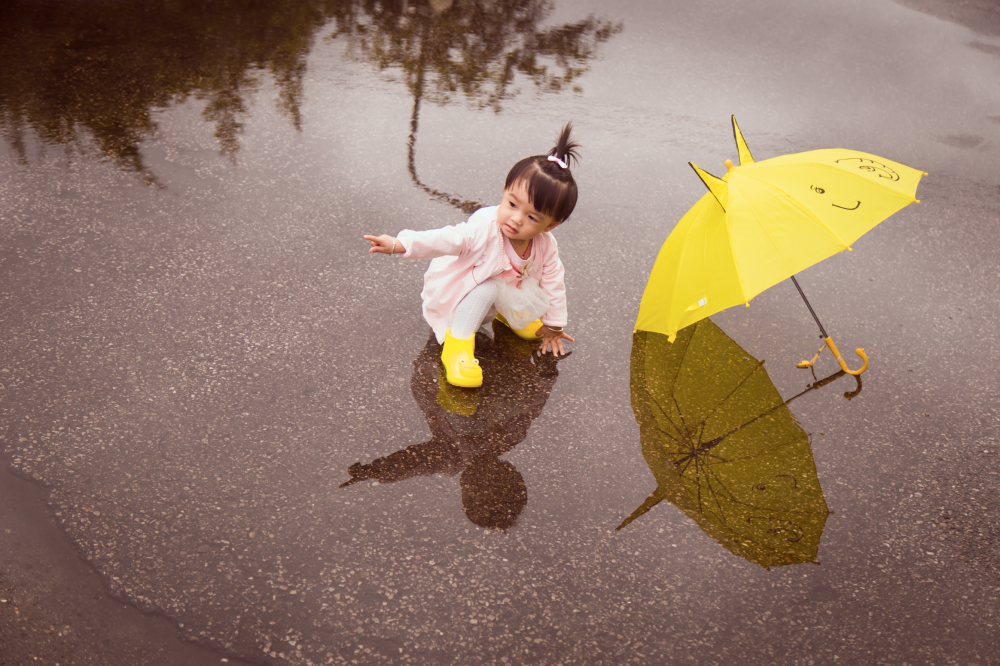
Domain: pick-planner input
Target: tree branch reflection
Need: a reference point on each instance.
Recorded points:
(80, 74)
(476, 49)
(92, 75)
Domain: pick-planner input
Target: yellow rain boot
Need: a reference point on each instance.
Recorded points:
(460, 366)
(528, 333)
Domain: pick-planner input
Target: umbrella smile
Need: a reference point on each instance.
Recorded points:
(820, 190)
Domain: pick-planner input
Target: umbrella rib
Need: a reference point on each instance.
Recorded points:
(677, 373)
(667, 434)
(735, 389)
(757, 219)
(721, 483)
(718, 504)
(662, 411)
(753, 420)
(701, 431)
(766, 453)
(667, 417)
(680, 414)
(697, 478)
(711, 490)
(686, 462)
(732, 252)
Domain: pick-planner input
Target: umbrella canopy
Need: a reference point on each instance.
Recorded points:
(763, 222)
(723, 446)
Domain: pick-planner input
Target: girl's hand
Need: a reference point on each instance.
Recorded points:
(553, 339)
(385, 244)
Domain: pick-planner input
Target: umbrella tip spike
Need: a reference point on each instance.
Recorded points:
(729, 166)
(917, 200)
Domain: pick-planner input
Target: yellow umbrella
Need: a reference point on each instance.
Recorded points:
(761, 223)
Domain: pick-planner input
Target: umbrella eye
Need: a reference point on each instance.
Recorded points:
(817, 190)
(871, 166)
(760, 486)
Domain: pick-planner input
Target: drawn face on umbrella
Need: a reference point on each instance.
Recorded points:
(863, 164)
(870, 166)
(847, 206)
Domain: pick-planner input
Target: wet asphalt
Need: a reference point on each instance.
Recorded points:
(198, 349)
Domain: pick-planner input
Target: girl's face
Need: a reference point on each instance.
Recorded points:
(518, 219)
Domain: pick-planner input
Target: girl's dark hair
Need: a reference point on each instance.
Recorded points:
(551, 188)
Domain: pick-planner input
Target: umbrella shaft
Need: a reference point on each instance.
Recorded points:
(811, 311)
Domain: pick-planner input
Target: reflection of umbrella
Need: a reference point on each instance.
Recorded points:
(763, 222)
(724, 447)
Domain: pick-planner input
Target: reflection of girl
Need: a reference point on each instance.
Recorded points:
(519, 383)
(504, 259)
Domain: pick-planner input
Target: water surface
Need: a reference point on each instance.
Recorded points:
(200, 354)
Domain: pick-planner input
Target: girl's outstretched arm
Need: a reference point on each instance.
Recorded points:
(385, 244)
(553, 338)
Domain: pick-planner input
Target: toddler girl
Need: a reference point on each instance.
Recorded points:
(502, 262)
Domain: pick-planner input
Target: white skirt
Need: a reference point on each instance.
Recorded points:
(521, 306)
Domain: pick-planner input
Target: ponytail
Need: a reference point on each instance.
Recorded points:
(565, 149)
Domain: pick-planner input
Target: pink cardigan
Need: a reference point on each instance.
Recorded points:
(466, 254)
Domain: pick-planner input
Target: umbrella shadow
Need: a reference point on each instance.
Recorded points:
(472, 428)
(724, 447)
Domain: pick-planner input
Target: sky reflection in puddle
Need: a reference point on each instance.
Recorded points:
(90, 76)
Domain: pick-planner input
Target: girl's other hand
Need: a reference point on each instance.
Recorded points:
(385, 244)
(553, 339)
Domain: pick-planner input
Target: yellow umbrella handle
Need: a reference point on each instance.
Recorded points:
(840, 359)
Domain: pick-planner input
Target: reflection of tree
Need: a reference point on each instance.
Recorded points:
(68, 69)
(98, 69)
(472, 47)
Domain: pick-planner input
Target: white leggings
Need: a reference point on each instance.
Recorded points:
(473, 309)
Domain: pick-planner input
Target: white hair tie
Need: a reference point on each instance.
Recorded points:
(553, 158)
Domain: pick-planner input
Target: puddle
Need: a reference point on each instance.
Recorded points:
(55, 607)
(238, 415)
(471, 428)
